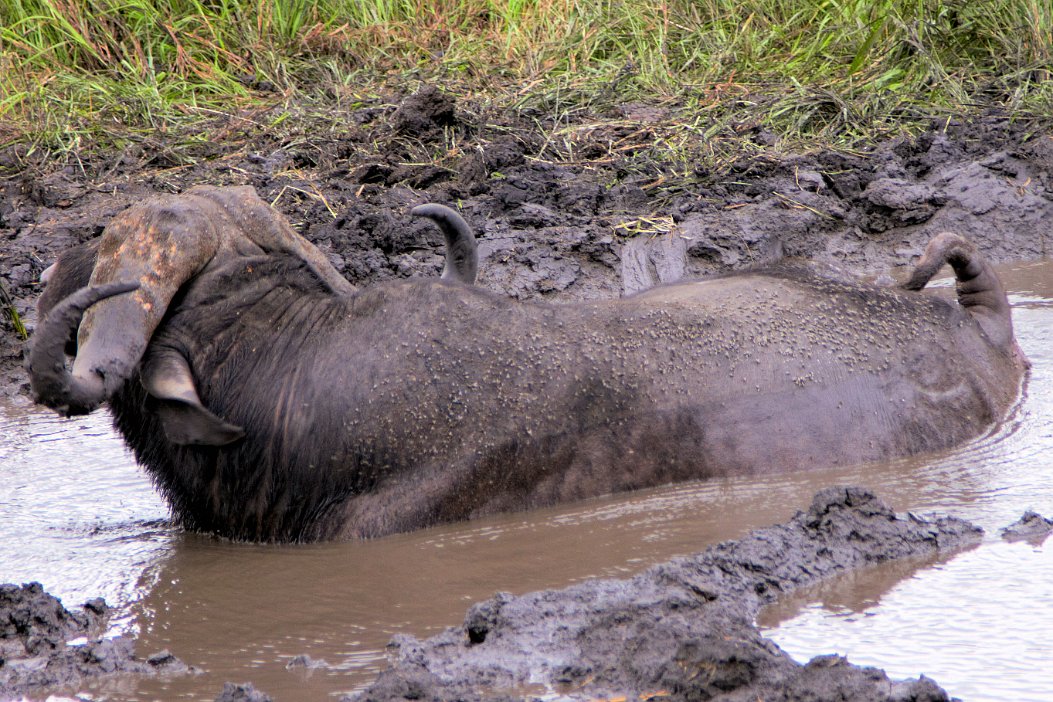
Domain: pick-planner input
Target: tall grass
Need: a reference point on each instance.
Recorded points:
(839, 68)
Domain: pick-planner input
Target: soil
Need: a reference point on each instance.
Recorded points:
(1032, 527)
(683, 629)
(597, 212)
(44, 645)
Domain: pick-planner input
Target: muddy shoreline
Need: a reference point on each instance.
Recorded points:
(603, 215)
(683, 629)
(43, 645)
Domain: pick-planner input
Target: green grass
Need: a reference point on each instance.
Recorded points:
(12, 313)
(79, 73)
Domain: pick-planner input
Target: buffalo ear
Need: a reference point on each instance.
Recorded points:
(167, 378)
(193, 425)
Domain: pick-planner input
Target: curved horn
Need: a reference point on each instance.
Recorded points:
(261, 224)
(159, 245)
(53, 385)
(980, 291)
(68, 274)
(462, 256)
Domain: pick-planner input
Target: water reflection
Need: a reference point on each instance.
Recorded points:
(977, 623)
(77, 515)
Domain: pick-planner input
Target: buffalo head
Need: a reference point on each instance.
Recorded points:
(117, 290)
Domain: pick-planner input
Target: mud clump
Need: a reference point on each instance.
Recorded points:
(1032, 527)
(37, 648)
(425, 114)
(683, 629)
(243, 692)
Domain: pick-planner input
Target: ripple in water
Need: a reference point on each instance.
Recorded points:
(979, 623)
(78, 515)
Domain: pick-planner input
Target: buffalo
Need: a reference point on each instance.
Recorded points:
(270, 400)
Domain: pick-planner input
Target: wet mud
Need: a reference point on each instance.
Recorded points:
(44, 645)
(598, 212)
(579, 221)
(243, 692)
(684, 629)
(1031, 527)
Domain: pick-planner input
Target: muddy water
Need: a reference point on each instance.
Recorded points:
(76, 515)
(978, 623)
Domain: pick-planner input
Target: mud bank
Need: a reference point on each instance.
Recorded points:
(598, 212)
(683, 629)
(43, 645)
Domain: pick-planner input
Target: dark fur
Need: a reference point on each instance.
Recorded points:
(418, 402)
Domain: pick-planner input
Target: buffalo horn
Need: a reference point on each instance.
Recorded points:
(52, 383)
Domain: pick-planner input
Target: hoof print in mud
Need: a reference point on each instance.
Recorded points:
(270, 400)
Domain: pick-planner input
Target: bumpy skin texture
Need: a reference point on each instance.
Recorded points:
(423, 401)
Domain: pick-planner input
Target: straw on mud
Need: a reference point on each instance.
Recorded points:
(798, 205)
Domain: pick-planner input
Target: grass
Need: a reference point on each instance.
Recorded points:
(12, 313)
(80, 74)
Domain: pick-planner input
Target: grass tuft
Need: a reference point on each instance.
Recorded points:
(12, 313)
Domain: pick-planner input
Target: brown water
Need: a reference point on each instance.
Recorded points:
(78, 516)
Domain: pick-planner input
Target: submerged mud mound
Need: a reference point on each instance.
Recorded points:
(40, 644)
(243, 692)
(683, 629)
(1031, 527)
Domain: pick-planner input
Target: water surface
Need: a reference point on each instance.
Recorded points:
(78, 516)
(977, 623)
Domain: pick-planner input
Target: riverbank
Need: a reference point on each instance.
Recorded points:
(683, 629)
(594, 154)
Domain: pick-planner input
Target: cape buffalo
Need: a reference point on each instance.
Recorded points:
(269, 400)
